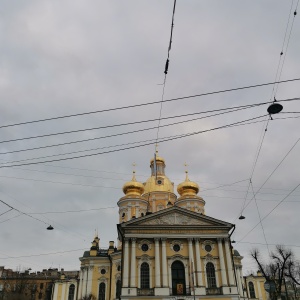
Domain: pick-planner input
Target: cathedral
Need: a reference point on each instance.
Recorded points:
(168, 248)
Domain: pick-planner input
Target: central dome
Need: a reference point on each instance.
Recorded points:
(158, 182)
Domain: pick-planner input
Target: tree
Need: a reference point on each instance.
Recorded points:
(282, 263)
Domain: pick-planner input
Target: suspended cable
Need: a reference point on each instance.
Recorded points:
(105, 147)
(282, 49)
(223, 110)
(150, 103)
(21, 212)
(270, 212)
(165, 79)
(286, 49)
(258, 212)
(127, 148)
(278, 165)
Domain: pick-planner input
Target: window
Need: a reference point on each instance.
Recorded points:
(41, 286)
(145, 247)
(251, 289)
(103, 271)
(208, 248)
(211, 275)
(71, 292)
(101, 295)
(145, 276)
(118, 289)
(176, 247)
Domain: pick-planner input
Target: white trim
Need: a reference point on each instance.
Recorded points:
(146, 259)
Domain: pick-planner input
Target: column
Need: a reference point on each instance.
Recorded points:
(90, 279)
(229, 263)
(239, 279)
(164, 263)
(198, 263)
(259, 290)
(157, 263)
(222, 264)
(191, 260)
(126, 264)
(80, 283)
(132, 269)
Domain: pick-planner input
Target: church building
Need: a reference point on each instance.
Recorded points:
(167, 248)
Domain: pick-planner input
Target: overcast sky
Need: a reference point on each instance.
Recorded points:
(69, 57)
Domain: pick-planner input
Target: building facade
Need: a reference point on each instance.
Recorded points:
(167, 248)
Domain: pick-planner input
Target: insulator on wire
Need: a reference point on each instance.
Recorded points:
(166, 66)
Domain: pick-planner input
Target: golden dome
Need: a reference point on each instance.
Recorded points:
(188, 187)
(159, 184)
(133, 187)
(158, 159)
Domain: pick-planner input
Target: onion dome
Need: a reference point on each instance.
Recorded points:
(157, 158)
(133, 187)
(188, 187)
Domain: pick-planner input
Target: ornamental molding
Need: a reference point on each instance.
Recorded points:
(179, 258)
(208, 242)
(175, 219)
(144, 241)
(102, 279)
(106, 268)
(210, 259)
(176, 242)
(145, 258)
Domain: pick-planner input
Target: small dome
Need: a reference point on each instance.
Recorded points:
(158, 159)
(188, 187)
(236, 253)
(133, 187)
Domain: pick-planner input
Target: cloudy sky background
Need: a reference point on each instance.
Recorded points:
(68, 57)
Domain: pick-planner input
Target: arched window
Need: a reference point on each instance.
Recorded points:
(145, 276)
(211, 275)
(71, 292)
(118, 289)
(101, 295)
(251, 289)
(178, 278)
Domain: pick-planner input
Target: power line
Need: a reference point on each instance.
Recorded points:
(287, 45)
(151, 103)
(223, 111)
(166, 71)
(21, 212)
(132, 147)
(43, 254)
(270, 212)
(282, 52)
(294, 145)
(118, 145)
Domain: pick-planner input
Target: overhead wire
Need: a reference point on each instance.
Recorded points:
(282, 50)
(286, 48)
(135, 131)
(166, 72)
(258, 212)
(132, 147)
(150, 103)
(271, 174)
(21, 212)
(222, 111)
(270, 212)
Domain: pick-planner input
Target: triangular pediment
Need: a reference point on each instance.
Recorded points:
(176, 216)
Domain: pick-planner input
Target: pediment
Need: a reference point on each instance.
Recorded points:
(176, 216)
